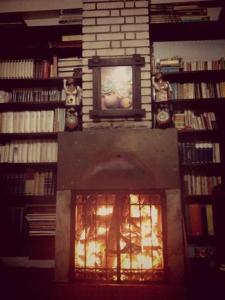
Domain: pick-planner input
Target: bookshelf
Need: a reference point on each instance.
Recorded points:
(195, 106)
(33, 69)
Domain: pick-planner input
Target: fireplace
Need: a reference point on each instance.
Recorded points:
(119, 216)
(119, 237)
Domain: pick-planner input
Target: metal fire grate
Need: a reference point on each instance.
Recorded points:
(119, 237)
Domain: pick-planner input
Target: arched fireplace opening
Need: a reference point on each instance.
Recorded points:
(119, 237)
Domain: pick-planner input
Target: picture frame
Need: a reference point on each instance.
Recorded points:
(116, 87)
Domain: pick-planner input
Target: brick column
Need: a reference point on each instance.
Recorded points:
(115, 29)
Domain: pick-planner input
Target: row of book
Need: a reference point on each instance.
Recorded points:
(199, 219)
(197, 90)
(32, 182)
(25, 68)
(181, 12)
(204, 65)
(168, 18)
(177, 64)
(41, 220)
(43, 69)
(32, 121)
(199, 153)
(192, 120)
(197, 184)
(32, 151)
(31, 68)
(32, 95)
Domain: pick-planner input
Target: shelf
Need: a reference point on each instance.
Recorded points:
(43, 41)
(195, 76)
(202, 166)
(21, 200)
(8, 83)
(42, 32)
(200, 199)
(43, 50)
(22, 166)
(198, 103)
(20, 106)
(35, 135)
(201, 240)
(190, 134)
(186, 31)
(207, 104)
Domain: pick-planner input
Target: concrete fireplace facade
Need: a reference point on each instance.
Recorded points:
(119, 160)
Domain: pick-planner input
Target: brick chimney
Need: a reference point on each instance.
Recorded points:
(116, 29)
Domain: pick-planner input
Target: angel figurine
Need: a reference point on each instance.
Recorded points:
(162, 88)
(73, 92)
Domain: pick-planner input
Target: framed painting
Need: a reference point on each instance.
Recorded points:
(116, 87)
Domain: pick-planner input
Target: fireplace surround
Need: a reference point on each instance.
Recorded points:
(132, 169)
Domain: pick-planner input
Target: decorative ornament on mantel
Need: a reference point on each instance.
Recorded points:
(73, 101)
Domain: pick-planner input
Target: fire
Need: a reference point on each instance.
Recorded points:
(127, 233)
(104, 211)
(101, 230)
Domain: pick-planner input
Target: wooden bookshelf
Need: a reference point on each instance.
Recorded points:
(194, 174)
(34, 183)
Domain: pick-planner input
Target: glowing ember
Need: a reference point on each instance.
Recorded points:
(125, 235)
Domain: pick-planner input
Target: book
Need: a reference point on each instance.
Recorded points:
(54, 72)
(209, 216)
(41, 220)
(179, 121)
(65, 74)
(45, 69)
(195, 215)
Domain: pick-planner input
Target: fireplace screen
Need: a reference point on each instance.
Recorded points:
(119, 237)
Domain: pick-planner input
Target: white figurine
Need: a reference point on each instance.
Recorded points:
(73, 92)
(162, 88)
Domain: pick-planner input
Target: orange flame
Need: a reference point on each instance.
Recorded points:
(104, 211)
(140, 240)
